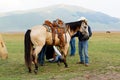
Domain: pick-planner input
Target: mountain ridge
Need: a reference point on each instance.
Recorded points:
(23, 20)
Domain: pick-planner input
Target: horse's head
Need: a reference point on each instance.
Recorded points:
(78, 26)
(84, 28)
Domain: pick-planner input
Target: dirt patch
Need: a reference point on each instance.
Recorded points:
(93, 76)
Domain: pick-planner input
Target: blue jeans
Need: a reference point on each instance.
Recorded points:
(83, 51)
(73, 48)
(41, 55)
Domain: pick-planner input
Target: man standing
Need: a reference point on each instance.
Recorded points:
(83, 44)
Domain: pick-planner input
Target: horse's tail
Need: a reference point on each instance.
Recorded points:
(27, 48)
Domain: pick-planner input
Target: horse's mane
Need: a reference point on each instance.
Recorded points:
(74, 25)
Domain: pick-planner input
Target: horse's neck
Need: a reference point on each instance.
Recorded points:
(71, 32)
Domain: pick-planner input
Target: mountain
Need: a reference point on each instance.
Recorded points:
(23, 20)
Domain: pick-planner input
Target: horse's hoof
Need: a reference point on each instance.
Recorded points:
(35, 71)
(58, 63)
(30, 71)
(66, 66)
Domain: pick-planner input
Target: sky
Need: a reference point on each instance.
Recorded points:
(110, 7)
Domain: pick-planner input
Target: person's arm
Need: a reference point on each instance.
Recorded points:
(90, 31)
(78, 34)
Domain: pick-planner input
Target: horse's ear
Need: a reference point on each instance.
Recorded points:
(85, 21)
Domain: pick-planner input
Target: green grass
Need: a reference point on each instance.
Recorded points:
(104, 54)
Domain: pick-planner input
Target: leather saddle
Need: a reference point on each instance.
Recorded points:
(57, 27)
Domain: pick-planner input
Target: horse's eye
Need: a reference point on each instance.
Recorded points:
(85, 27)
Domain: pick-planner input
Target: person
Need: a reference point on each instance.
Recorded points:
(41, 56)
(49, 52)
(57, 57)
(73, 48)
(83, 45)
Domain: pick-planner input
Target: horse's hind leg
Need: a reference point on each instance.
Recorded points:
(35, 56)
(29, 68)
(35, 63)
(36, 68)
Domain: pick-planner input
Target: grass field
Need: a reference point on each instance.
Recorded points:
(104, 54)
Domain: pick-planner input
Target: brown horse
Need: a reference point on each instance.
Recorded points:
(38, 36)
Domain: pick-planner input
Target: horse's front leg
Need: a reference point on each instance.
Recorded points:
(63, 59)
(64, 53)
(65, 63)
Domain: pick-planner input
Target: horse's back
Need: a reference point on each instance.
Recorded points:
(38, 34)
(38, 28)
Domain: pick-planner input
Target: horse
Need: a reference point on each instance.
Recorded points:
(38, 36)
